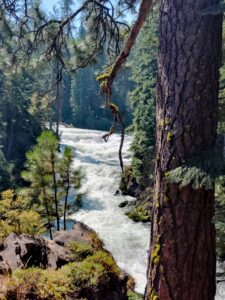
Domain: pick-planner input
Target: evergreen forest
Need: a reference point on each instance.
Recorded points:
(112, 150)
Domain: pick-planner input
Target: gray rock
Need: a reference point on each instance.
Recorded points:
(25, 251)
(22, 251)
(80, 233)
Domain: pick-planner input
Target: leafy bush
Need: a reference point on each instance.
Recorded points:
(70, 282)
(95, 270)
(16, 216)
(79, 251)
(86, 275)
(139, 214)
(34, 283)
(106, 260)
(134, 296)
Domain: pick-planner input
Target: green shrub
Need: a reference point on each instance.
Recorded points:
(16, 216)
(79, 251)
(134, 296)
(85, 275)
(139, 214)
(67, 283)
(106, 260)
(34, 283)
(95, 270)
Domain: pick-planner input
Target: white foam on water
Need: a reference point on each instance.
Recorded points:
(126, 240)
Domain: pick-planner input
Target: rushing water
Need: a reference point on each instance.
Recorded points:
(126, 240)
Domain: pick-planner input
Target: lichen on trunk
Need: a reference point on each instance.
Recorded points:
(182, 253)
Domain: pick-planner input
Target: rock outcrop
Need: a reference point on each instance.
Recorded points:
(24, 251)
(80, 233)
(76, 256)
(139, 209)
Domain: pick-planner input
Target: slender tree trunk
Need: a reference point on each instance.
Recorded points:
(59, 80)
(55, 191)
(182, 252)
(10, 138)
(48, 214)
(66, 198)
(58, 114)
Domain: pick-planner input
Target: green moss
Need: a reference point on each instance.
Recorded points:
(48, 284)
(153, 296)
(167, 121)
(103, 76)
(138, 214)
(134, 296)
(169, 136)
(155, 254)
(96, 242)
(195, 176)
(79, 251)
(92, 274)
(87, 274)
(160, 124)
(106, 260)
(94, 271)
(165, 199)
(114, 107)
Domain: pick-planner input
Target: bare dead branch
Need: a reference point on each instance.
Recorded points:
(145, 8)
(108, 78)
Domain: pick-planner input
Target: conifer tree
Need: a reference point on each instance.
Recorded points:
(69, 178)
(41, 173)
(142, 101)
(51, 176)
(182, 252)
(17, 215)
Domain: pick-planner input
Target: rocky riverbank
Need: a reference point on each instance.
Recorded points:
(74, 265)
(140, 209)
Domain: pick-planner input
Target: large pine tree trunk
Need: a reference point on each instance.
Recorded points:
(182, 253)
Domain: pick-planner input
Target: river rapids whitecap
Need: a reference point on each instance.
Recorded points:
(126, 240)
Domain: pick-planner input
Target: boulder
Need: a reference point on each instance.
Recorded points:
(127, 203)
(128, 184)
(80, 233)
(57, 255)
(24, 251)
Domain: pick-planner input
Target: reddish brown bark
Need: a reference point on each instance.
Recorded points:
(182, 252)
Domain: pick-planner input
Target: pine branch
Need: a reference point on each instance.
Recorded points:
(145, 8)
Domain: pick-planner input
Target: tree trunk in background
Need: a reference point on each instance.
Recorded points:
(55, 188)
(182, 253)
(10, 133)
(47, 213)
(66, 198)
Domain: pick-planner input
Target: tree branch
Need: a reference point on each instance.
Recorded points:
(145, 8)
(108, 78)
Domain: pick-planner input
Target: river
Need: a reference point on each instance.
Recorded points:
(126, 240)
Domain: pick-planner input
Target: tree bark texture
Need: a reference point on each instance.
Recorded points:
(182, 252)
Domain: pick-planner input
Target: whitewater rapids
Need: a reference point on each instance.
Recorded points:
(126, 240)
